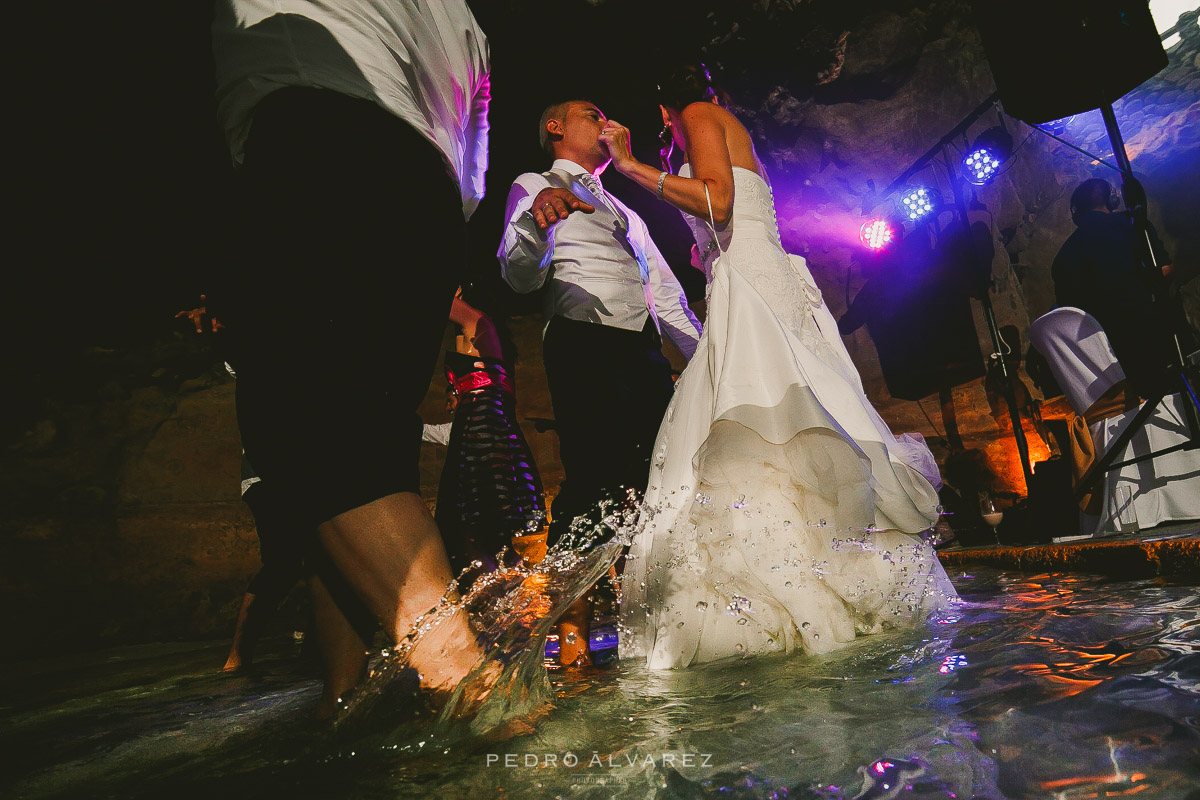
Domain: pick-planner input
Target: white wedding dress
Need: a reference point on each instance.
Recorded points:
(780, 507)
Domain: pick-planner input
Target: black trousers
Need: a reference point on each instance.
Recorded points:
(610, 388)
(290, 552)
(338, 308)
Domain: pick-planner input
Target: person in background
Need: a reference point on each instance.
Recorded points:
(1098, 269)
(490, 490)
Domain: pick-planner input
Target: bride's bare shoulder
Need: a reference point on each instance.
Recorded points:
(737, 138)
(704, 110)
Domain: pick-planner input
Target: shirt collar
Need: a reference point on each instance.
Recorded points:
(567, 165)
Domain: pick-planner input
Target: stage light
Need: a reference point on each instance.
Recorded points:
(981, 165)
(919, 201)
(876, 234)
(991, 149)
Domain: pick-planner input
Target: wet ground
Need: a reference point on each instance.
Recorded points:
(1043, 686)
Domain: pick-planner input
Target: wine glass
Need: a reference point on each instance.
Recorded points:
(991, 514)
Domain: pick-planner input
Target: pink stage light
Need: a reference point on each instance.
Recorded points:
(876, 234)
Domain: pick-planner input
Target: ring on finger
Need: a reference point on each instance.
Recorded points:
(549, 206)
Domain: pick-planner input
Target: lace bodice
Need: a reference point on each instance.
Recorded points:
(753, 215)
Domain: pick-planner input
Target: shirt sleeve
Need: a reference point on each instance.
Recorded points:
(526, 253)
(676, 319)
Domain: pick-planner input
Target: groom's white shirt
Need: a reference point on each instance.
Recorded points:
(589, 263)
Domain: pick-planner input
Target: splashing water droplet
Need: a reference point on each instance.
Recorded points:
(702, 606)
(739, 647)
(742, 621)
(738, 605)
(806, 625)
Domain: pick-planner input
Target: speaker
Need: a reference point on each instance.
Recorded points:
(1055, 58)
(916, 307)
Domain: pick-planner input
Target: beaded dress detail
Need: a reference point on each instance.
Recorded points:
(781, 509)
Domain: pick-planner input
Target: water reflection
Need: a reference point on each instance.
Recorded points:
(1046, 686)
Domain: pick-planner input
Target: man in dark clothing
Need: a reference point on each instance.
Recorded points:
(1099, 271)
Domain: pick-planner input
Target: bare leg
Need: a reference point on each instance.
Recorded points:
(392, 554)
(574, 634)
(343, 652)
(241, 651)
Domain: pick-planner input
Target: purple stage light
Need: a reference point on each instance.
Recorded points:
(991, 149)
(919, 201)
(981, 165)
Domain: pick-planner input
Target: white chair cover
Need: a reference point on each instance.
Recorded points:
(1162, 489)
(1079, 355)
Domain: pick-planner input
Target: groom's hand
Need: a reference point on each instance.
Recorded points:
(553, 205)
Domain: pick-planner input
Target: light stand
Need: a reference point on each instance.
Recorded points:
(990, 315)
(1183, 376)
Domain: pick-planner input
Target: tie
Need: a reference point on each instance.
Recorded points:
(591, 183)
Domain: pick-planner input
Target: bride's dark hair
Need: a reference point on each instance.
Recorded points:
(686, 84)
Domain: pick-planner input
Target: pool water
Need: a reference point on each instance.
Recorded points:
(1040, 686)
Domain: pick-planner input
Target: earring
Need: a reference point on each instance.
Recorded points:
(666, 147)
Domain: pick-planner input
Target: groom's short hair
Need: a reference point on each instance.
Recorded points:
(553, 111)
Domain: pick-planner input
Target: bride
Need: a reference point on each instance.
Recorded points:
(781, 510)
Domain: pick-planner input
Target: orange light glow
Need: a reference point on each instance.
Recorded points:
(1075, 781)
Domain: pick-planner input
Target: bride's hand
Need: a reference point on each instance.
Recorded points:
(614, 137)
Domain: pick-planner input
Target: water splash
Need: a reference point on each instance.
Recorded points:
(511, 612)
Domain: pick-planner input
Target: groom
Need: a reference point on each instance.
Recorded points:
(609, 297)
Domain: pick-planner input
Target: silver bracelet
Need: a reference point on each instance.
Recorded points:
(662, 179)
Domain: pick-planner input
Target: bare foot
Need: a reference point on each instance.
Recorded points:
(447, 654)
